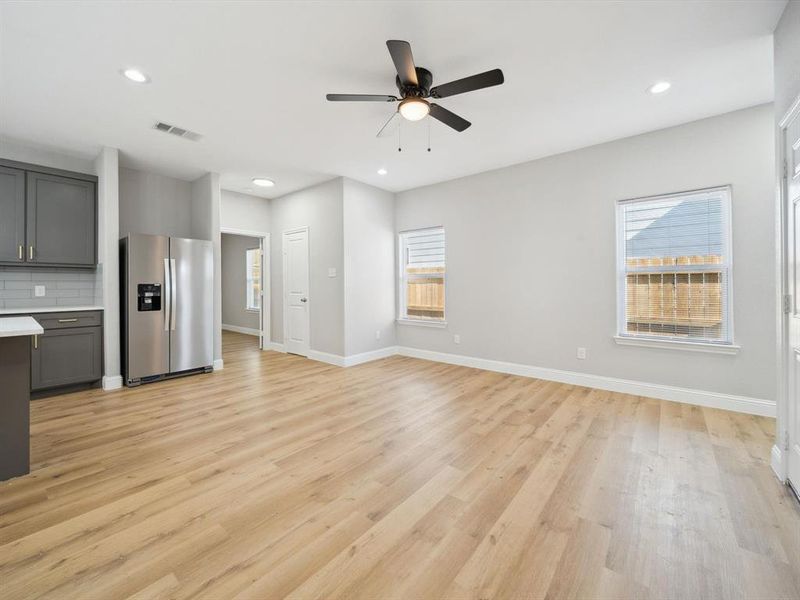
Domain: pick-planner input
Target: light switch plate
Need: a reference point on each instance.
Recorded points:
(38, 291)
(581, 354)
(331, 271)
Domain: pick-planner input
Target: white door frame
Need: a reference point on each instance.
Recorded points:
(780, 463)
(264, 317)
(284, 300)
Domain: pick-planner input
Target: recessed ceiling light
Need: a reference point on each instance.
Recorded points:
(136, 76)
(659, 87)
(260, 181)
(382, 171)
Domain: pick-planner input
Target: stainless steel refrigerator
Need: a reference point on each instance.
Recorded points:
(167, 307)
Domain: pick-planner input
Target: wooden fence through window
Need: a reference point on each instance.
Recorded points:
(683, 301)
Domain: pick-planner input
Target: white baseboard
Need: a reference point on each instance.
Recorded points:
(244, 330)
(112, 382)
(776, 461)
(331, 359)
(218, 364)
(744, 404)
(357, 359)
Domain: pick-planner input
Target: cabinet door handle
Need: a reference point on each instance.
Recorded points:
(30, 252)
(68, 320)
(35, 342)
(21, 252)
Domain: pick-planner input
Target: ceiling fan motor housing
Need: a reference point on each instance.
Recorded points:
(422, 90)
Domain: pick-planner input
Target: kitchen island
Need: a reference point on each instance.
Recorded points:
(15, 382)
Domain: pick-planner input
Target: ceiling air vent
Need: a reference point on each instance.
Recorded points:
(177, 131)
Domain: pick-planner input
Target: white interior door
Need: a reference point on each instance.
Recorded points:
(295, 291)
(262, 295)
(792, 155)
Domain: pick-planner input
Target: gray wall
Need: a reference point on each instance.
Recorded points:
(369, 267)
(243, 211)
(320, 208)
(787, 58)
(154, 204)
(234, 278)
(531, 254)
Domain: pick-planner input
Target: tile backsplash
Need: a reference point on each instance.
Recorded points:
(63, 287)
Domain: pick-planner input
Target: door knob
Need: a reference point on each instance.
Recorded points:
(303, 299)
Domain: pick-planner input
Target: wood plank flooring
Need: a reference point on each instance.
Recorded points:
(401, 478)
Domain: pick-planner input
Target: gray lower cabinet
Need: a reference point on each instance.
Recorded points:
(70, 351)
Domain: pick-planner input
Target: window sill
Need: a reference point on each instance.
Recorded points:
(421, 323)
(678, 345)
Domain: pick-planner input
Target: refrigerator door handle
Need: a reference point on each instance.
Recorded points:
(167, 294)
(174, 293)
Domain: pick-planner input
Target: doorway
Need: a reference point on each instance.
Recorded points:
(787, 449)
(246, 284)
(296, 297)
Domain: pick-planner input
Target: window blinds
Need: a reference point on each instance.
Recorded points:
(253, 278)
(424, 248)
(675, 266)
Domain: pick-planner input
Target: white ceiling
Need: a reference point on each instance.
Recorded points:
(252, 78)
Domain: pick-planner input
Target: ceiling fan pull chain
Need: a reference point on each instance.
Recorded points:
(429, 134)
(399, 138)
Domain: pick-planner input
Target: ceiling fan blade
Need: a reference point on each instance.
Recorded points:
(450, 119)
(360, 98)
(390, 126)
(403, 61)
(468, 84)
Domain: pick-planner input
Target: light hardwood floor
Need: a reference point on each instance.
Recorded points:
(401, 478)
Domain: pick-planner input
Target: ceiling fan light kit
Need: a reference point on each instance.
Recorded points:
(414, 109)
(415, 85)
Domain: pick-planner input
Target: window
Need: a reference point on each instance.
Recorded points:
(422, 272)
(674, 268)
(253, 277)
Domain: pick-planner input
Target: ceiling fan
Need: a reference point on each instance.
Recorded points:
(414, 84)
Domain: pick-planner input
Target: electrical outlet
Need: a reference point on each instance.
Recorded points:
(582, 353)
(331, 271)
(456, 339)
(378, 334)
(38, 291)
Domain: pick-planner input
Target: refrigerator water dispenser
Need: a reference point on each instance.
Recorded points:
(149, 296)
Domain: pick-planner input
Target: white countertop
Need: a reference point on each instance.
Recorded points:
(51, 309)
(16, 326)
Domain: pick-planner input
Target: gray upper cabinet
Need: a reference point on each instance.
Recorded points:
(12, 215)
(61, 221)
(48, 217)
